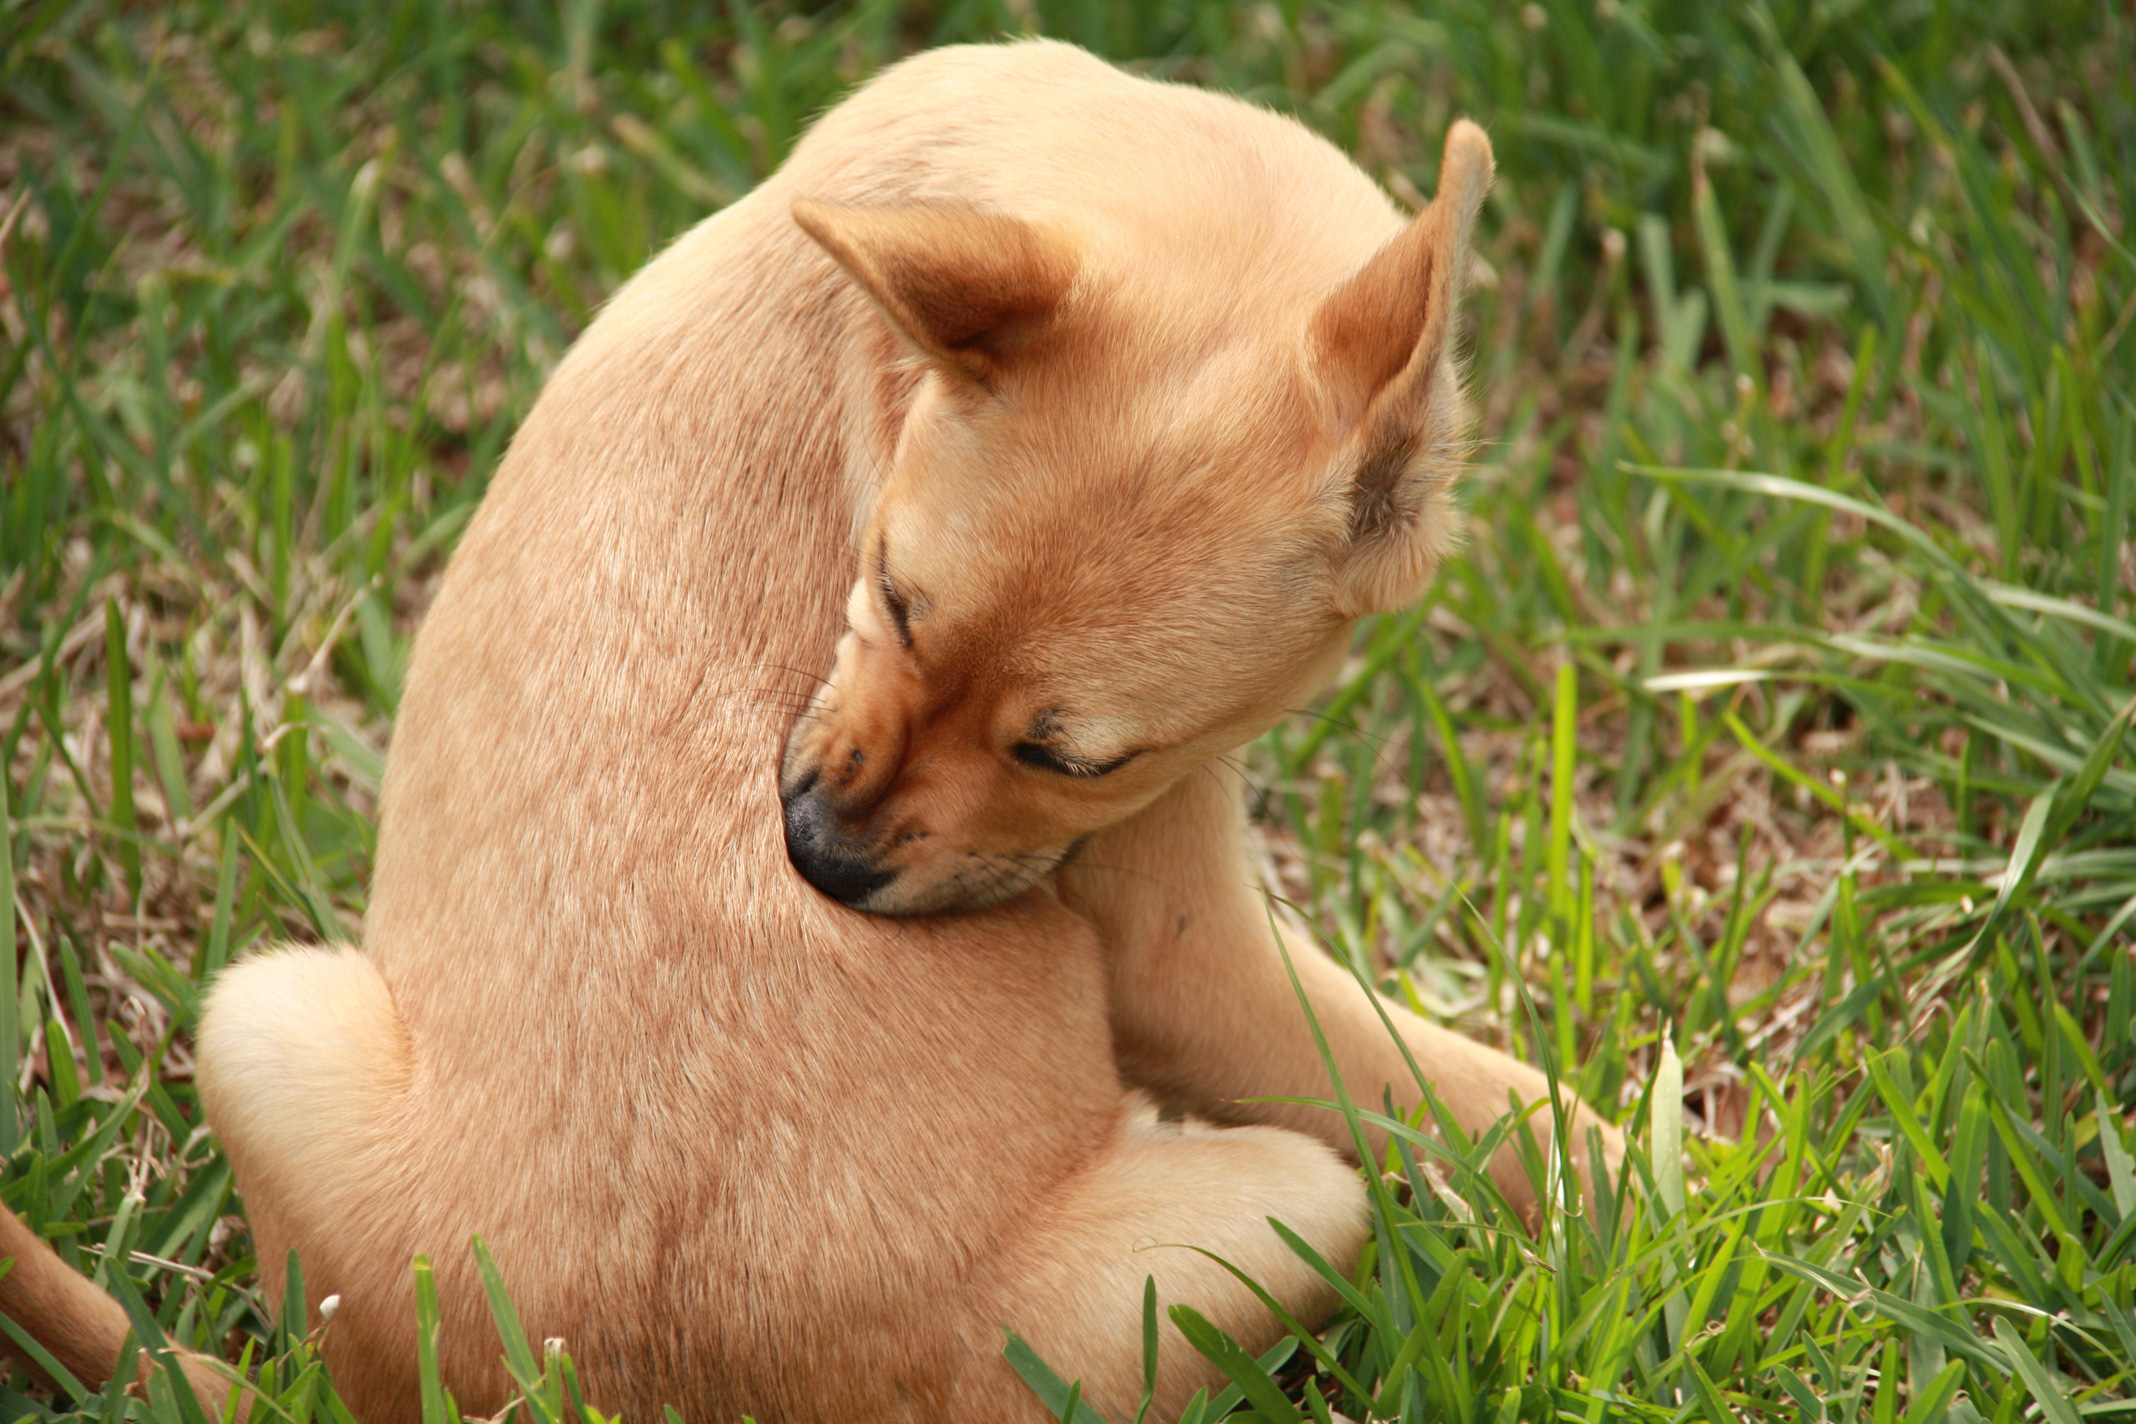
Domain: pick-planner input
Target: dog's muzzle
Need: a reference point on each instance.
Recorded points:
(826, 858)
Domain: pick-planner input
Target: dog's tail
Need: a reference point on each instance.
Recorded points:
(78, 1327)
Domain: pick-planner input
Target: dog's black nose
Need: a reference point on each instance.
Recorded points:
(822, 855)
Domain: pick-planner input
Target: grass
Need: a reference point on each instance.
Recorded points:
(1764, 765)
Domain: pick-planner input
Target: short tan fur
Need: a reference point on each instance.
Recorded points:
(785, 1038)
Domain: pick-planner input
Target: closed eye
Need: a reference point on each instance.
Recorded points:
(900, 611)
(1044, 758)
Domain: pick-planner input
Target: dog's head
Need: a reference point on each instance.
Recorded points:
(1119, 537)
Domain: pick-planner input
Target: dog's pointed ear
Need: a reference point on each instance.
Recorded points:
(967, 288)
(1382, 347)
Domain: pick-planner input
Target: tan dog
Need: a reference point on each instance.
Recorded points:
(1082, 416)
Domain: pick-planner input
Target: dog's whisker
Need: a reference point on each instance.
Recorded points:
(818, 678)
(778, 696)
(798, 693)
(789, 704)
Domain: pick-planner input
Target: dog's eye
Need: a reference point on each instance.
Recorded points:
(900, 612)
(1035, 754)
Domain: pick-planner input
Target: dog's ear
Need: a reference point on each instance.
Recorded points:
(967, 288)
(1383, 348)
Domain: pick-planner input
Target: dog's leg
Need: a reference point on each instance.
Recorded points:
(82, 1329)
(305, 1070)
(302, 1063)
(1204, 1013)
(1072, 1285)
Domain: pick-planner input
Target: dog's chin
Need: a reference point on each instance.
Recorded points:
(976, 882)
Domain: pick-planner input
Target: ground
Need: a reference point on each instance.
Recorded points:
(1771, 730)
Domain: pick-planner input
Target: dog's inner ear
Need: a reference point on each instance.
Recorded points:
(1381, 347)
(967, 288)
